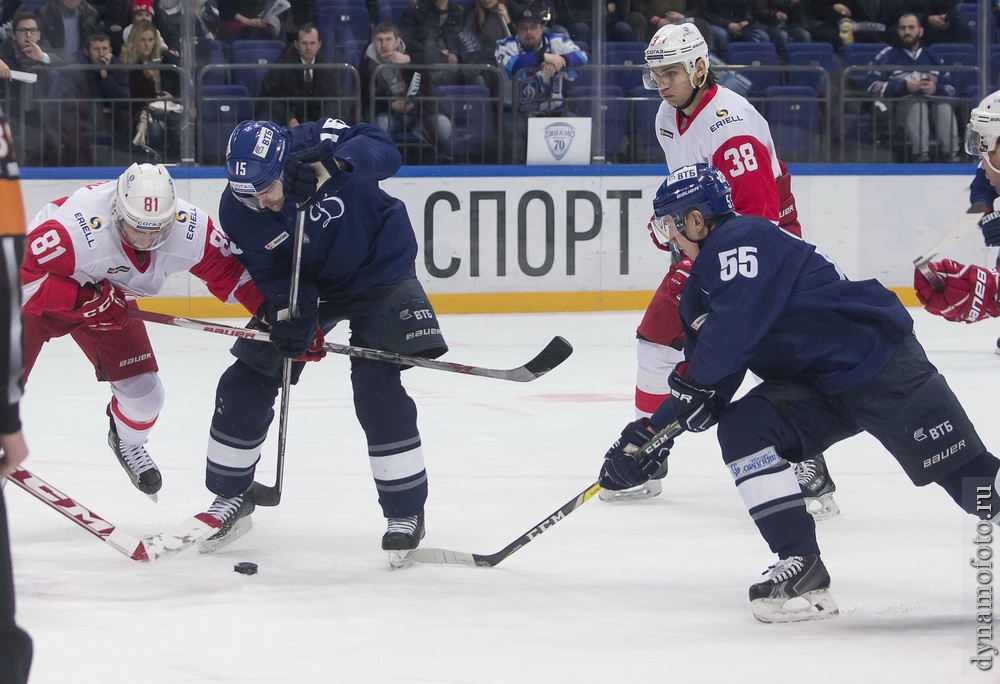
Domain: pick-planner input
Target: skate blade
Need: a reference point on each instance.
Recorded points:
(400, 559)
(812, 605)
(240, 528)
(154, 497)
(822, 507)
(650, 490)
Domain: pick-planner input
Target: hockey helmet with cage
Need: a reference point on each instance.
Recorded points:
(983, 132)
(674, 44)
(145, 205)
(255, 158)
(698, 186)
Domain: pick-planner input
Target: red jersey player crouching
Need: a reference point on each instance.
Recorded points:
(700, 121)
(87, 256)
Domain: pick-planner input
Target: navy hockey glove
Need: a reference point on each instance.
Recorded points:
(300, 179)
(293, 337)
(697, 407)
(990, 225)
(620, 469)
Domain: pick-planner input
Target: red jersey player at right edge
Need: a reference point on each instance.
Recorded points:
(701, 121)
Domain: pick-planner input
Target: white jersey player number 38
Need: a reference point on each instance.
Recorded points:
(740, 261)
(742, 158)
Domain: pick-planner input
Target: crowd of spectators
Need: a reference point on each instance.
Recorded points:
(527, 50)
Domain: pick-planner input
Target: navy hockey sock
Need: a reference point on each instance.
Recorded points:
(389, 418)
(244, 409)
(752, 435)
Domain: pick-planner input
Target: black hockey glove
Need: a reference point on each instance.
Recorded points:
(300, 179)
(293, 337)
(990, 225)
(697, 407)
(621, 470)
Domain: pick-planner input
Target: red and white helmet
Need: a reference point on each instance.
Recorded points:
(145, 205)
(675, 44)
(983, 131)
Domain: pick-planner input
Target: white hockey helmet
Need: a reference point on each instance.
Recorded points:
(983, 131)
(674, 44)
(145, 205)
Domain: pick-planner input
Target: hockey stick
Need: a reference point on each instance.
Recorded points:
(554, 353)
(446, 557)
(271, 496)
(145, 549)
(960, 228)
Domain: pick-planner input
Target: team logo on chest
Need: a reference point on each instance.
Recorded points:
(327, 210)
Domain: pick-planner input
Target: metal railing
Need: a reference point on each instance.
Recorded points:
(456, 114)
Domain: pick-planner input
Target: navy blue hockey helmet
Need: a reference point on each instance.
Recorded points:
(699, 186)
(255, 158)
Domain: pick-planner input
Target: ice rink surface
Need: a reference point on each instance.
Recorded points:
(648, 592)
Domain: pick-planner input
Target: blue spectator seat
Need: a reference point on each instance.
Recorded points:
(624, 54)
(746, 53)
(392, 10)
(994, 63)
(860, 54)
(813, 79)
(792, 112)
(349, 22)
(969, 13)
(966, 82)
(218, 56)
(351, 52)
(471, 111)
(263, 52)
(757, 54)
(645, 138)
(222, 107)
(793, 48)
(615, 110)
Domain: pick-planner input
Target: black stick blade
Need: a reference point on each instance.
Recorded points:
(555, 352)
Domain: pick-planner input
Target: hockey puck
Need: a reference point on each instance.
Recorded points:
(245, 568)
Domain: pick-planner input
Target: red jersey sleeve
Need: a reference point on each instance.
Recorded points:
(49, 263)
(223, 274)
(746, 163)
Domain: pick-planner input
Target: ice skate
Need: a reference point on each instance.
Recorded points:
(649, 490)
(796, 589)
(817, 487)
(234, 514)
(401, 537)
(135, 460)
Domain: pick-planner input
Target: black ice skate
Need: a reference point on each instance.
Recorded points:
(135, 460)
(234, 514)
(796, 589)
(401, 537)
(817, 487)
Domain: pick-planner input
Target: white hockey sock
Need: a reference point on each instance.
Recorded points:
(135, 406)
(655, 363)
